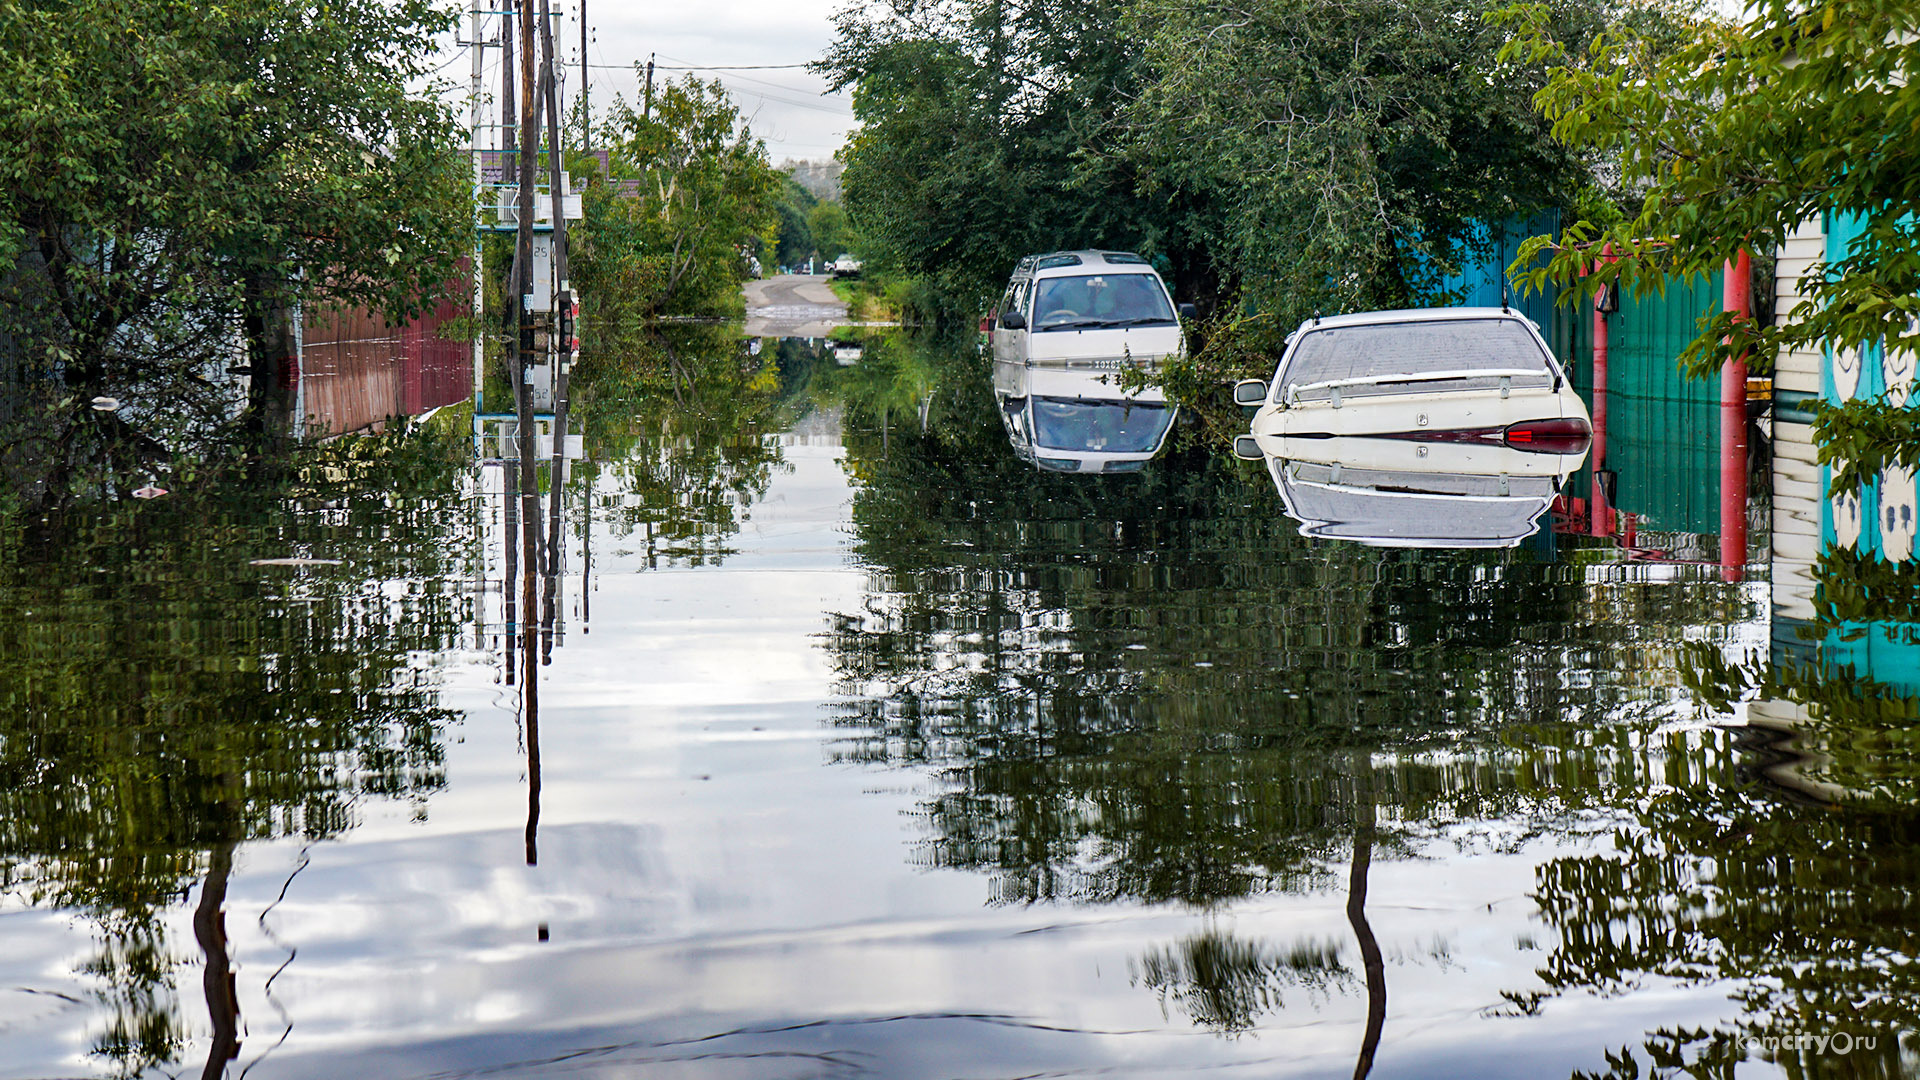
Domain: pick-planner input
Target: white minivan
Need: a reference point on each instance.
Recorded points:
(1087, 309)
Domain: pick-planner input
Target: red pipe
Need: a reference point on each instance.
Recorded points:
(1600, 520)
(1737, 298)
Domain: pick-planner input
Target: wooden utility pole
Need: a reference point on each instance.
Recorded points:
(523, 336)
(509, 118)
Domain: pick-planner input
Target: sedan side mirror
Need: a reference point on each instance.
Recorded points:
(1250, 392)
(1012, 320)
(1247, 448)
(1188, 311)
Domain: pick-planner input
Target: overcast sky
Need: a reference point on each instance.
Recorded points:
(784, 105)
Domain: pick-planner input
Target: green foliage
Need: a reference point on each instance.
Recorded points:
(832, 232)
(986, 133)
(1860, 439)
(795, 239)
(691, 195)
(1301, 154)
(179, 176)
(1856, 587)
(1732, 138)
(1232, 345)
(1345, 153)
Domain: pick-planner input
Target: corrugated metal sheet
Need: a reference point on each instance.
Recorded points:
(1663, 429)
(356, 371)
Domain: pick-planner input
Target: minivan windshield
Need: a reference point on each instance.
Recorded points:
(1098, 301)
(1114, 427)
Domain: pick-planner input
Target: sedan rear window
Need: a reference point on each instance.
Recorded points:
(1385, 350)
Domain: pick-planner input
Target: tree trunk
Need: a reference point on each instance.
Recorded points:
(272, 361)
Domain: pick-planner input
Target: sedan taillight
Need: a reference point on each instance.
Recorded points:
(1562, 436)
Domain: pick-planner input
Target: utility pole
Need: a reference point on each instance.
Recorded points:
(482, 199)
(647, 111)
(509, 119)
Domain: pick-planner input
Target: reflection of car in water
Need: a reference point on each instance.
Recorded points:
(1070, 420)
(1444, 375)
(1452, 427)
(1092, 309)
(1390, 492)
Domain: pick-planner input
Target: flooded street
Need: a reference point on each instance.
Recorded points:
(862, 746)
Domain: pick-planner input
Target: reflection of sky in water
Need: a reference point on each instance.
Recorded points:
(727, 897)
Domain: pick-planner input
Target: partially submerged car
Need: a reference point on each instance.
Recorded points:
(1449, 427)
(1072, 420)
(1455, 375)
(1094, 310)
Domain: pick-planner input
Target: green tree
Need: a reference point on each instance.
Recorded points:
(691, 196)
(1729, 142)
(832, 232)
(1349, 154)
(1305, 152)
(180, 177)
(795, 239)
(986, 134)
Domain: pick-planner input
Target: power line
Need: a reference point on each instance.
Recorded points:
(703, 67)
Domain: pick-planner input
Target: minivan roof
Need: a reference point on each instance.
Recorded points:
(1065, 262)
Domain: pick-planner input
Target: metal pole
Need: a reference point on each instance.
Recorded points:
(1737, 297)
(586, 97)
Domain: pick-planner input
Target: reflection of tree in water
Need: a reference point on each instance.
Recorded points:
(171, 701)
(1227, 983)
(1793, 890)
(686, 421)
(1148, 687)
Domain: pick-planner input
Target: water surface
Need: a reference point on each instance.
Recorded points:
(860, 746)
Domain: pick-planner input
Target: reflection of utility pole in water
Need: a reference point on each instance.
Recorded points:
(1375, 965)
(530, 694)
(510, 500)
(1599, 499)
(210, 930)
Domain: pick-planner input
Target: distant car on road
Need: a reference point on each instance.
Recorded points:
(846, 266)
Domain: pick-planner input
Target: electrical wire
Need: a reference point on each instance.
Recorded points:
(684, 66)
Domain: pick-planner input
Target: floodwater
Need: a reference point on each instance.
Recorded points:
(858, 745)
